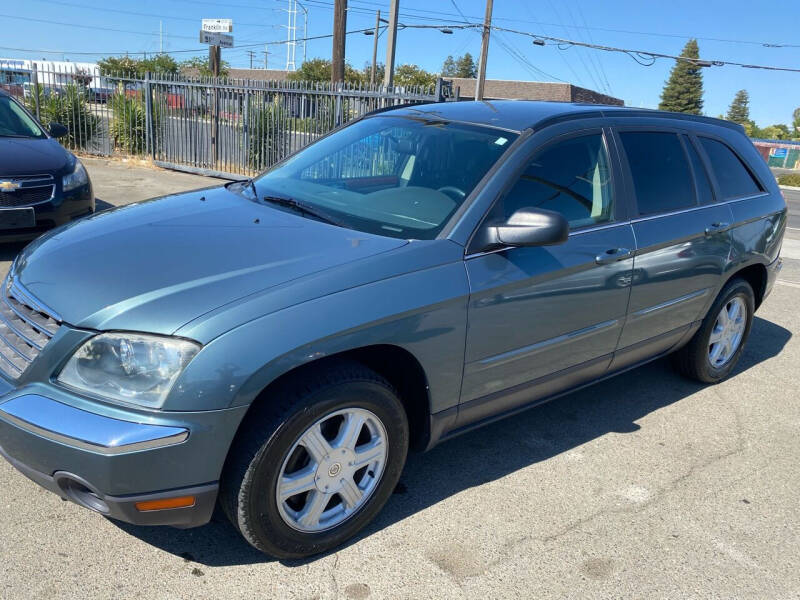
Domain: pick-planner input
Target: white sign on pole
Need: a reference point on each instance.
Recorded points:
(218, 25)
(222, 40)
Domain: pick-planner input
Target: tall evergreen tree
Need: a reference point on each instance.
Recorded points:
(449, 67)
(739, 111)
(683, 91)
(466, 67)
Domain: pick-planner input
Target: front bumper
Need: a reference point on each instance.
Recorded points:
(108, 459)
(58, 210)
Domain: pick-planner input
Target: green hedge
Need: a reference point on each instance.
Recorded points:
(791, 180)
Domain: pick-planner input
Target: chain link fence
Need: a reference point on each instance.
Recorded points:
(213, 126)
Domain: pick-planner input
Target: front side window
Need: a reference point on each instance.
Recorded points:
(733, 177)
(14, 122)
(661, 177)
(396, 176)
(572, 177)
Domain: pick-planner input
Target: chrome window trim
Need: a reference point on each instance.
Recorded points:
(85, 430)
(696, 208)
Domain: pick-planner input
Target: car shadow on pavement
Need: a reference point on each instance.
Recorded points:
(490, 452)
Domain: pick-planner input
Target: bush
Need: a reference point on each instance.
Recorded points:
(792, 180)
(129, 123)
(269, 135)
(66, 105)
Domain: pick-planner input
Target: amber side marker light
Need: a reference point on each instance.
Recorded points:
(166, 503)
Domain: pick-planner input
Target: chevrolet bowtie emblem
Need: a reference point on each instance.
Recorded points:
(9, 186)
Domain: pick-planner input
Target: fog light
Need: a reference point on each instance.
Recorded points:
(166, 503)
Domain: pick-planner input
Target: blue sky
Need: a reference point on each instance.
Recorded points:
(109, 27)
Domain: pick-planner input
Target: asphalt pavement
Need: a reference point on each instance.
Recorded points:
(643, 486)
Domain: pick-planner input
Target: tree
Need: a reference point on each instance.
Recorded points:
(125, 66)
(683, 91)
(463, 66)
(319, 70)
(449, 68)
(466, 67)
(739, 111)
(796, 120)
(408, 75)
(775, 132)
(200, 64)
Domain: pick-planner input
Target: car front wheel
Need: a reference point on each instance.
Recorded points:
(315, 461)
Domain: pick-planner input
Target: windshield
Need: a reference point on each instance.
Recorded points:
(15, 122)
(395, 176)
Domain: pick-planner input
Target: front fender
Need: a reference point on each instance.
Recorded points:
(423, 312)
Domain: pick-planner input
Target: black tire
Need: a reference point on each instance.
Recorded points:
(692, 360)
(271, 428)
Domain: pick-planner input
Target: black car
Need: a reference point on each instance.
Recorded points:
(42, 185)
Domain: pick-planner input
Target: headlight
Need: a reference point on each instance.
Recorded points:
(128, 367)
(75, 179)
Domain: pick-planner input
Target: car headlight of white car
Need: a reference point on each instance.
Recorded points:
(128, 367)
(76, 179)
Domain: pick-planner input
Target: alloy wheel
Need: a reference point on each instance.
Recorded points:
(728, 331)
(332, 470)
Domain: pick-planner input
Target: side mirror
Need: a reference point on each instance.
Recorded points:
(57, 130)
(529, 227)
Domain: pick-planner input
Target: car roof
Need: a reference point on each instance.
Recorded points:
(518, 115)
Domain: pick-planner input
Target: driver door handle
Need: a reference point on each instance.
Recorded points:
(717, 228)
(613, 255)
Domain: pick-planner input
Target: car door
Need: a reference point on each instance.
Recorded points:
(542, 319)
(682, 240)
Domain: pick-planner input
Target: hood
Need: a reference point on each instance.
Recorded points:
(32, 156)
(156, 265)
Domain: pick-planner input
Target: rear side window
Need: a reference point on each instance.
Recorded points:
(572, 177)
(704, 192)
(732, 175)
(660, 171)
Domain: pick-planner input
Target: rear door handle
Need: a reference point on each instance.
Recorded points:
(717, 228)
(613, 255)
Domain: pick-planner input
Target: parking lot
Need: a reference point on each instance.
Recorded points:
(646, 485)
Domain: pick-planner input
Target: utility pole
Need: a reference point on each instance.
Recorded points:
(251, 54)
(374, 71)
(391, 43)
(487, 26)
(266, 56)
(161, 37)
(339, 27)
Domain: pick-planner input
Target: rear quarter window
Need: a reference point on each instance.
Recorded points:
(733, 177)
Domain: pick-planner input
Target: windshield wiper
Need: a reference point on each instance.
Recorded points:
(16, 135)
(302, 207)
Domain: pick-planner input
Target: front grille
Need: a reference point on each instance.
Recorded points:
(26, 196)
(25, 328)
(32, 189)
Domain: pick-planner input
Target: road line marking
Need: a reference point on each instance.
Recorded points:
(793, 228)
(788, 283)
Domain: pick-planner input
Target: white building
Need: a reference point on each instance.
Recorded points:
(15, 73)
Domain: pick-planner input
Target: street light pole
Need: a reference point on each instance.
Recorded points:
(487, 26)
(391, 43)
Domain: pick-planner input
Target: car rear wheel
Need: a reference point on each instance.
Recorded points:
(315, 461)
(715, 349)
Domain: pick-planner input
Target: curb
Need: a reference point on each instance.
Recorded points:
(789, 187)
